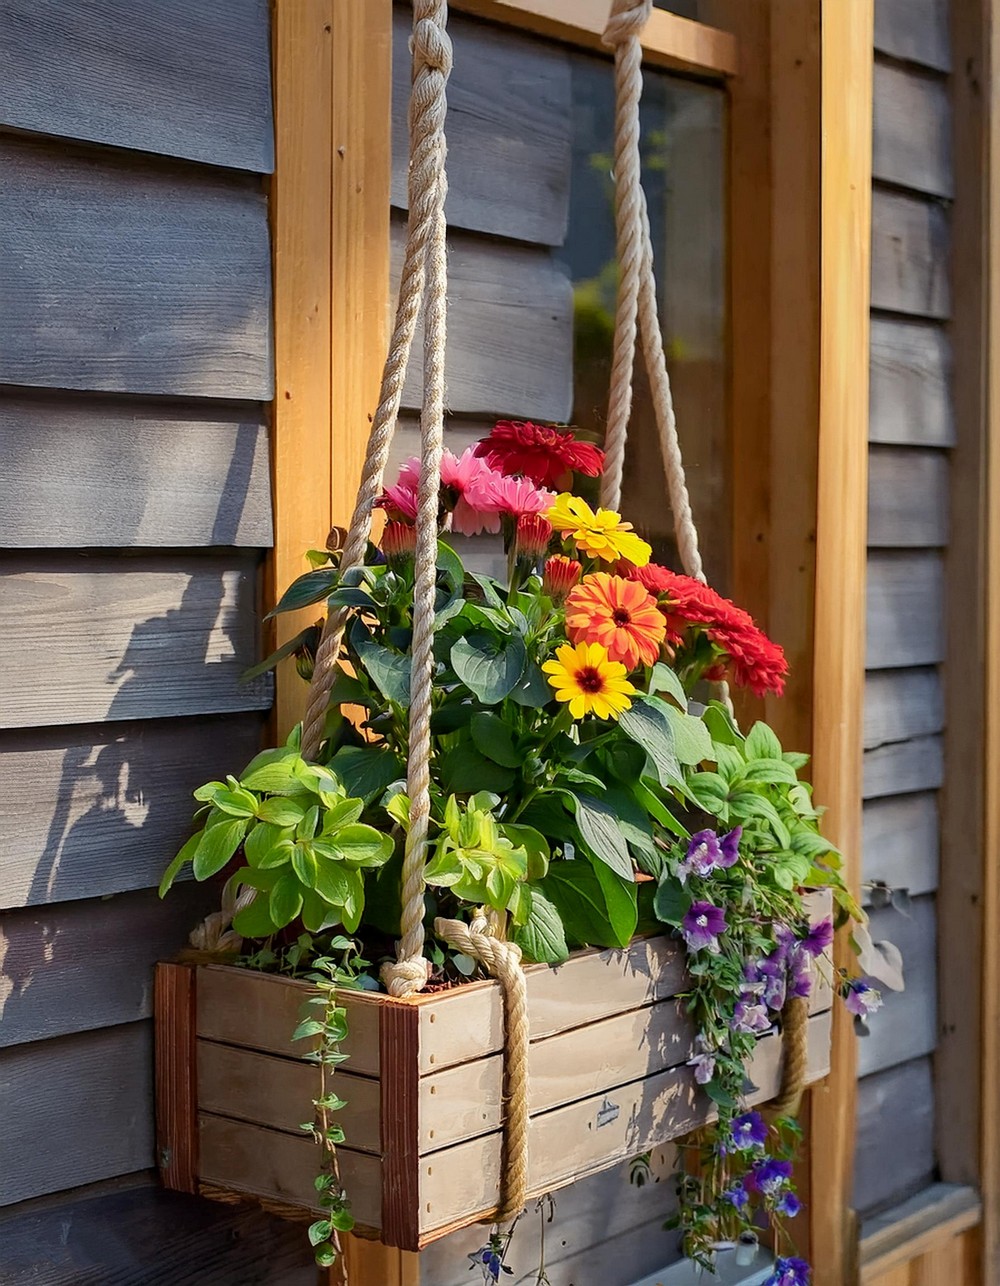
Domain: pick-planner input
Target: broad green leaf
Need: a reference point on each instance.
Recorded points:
(216, 846)
(770, 772)
(602, 834)
(331, 879)
(464, 770)
(366, 770)
(304, 864)
(388, 670)
(268, 845)
(449, 566)
(649, 728)
(179, 862)
(542, 937)
(311, 588)
(354, 902)
(445, 869)
(810, 844)
(310, 634)
(254, 921)
(672, 902)
(532, 690)
(360, 845)
(286, 900)
(762, 743)
(281, 812)
(709, 792)
(692, 740)
(342, 813)
(494, 739)
(748, 803)
(535, 845)
(663, 679)
(655, 807)
(721, 724)
(595, 906)
(489, 665)
(306, 828)
(272, 772)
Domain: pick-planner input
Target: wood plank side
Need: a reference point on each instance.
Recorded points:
(900, 704)
(912, 136)
(910, 402)
(509, 130)
(87, 964)
(905, 610)
(902, 842)
(908, 504)
(916, 31)
(894, 1157)
(940, 1213)
(186, 79)
(102, 1085)
(511, 328)
(94, 810)
(906, 1027)
(122, 475)
(400, 1032)
(176, 1077)
(133, 279)
(911, 248)
(128, 640)
(907, 766)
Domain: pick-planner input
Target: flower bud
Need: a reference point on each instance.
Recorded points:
(560, 576)
(399, 542)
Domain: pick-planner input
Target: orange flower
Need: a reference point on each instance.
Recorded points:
(619, 614)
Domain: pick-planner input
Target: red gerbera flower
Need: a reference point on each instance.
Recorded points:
(754, 660)
(545, 454)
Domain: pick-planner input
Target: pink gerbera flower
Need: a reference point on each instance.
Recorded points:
(464, 483)
(399, 503)
(516, 497)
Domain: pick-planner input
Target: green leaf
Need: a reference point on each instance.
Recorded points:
(489, 665)
(672, 901)
(692, 740)
(354, 902)
(254, 921)
(319, 1231)
(366, 770)
(216, 846)
(271, 772)
(535, 845)
(709, 792)
(332, 883)
(388, 670)
(663, 679)
(286, 900)
(360, 845)
(237, 803)
(492, 738)
(267, 846)
(311, 588)
(532, 690)
(464, 769)
(770, 772)
(449, 566)
(810, 844)
(542, 937)
(595, 906)
(281, 812)
(762, 743)
(655, 807)
(181, 860)
(309, 634)
(721, 724)
(601, 833)
(648, 726)
(304, 864)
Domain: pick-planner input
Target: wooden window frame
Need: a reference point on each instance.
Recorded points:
(799, 342)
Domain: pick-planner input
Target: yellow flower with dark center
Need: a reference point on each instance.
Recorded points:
(590, 683)
(602, 534)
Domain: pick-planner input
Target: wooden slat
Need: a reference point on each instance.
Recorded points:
(509, 131)
(177, 1076)
(910, 384)
(122, 474)
(186, 79)
(895, 1135)
(905, 766)
(906, 1026)
(89, 964)
(131, 640)
(132, 279)
(910, 254)
(667, 40)
(901, 842)
(935, 1217)
(906, 610)
(510, 327)
(90, 811)
(106, 1235)
(912, 142)
(900, 704)
(907, 498)
(99, 1085)
(914, 30)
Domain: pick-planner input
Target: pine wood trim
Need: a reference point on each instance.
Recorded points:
(667, 41)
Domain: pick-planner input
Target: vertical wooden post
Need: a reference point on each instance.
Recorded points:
(176, 1073)
(846, 69)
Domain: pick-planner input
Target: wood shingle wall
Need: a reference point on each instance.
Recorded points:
(911, 432)
(135, 362)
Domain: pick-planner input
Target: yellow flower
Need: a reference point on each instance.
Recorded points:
(584, 677)
(602, 534)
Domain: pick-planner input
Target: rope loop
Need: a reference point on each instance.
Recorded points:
(627, 19)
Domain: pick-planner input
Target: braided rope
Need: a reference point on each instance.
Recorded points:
(481, 942)
(795, 1051)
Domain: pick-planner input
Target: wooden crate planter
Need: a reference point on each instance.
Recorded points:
(609, 1047)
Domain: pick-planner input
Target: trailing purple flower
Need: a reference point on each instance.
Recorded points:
(819, 937)
(704, 854)
(789, 1205)
(790, 1272)
(730, 846)
(769, 1176)
(702, 926)
(704, 1067)
(860, 999)
(749, 1132)
(799, 972)
(737, 1196)
(750, 1017)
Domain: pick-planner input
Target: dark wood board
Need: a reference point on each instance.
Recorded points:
(100, 809)
(895, 1136)
(127, 639)
(915, 30)
(907, 498)
(509, 130)
(906, 610)
(911, 249)
(98, 473)
(904, 767)
(132, 278)
(900, 704)
(911, 401)
(906, 1026)
(902, 843)
(184, 79)
(83, 965)
(912, 140)
(129, 1233)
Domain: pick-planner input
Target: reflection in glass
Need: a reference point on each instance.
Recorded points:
(683, 126)
(686, 8)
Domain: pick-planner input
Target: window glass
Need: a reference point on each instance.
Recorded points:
(683, 150)
(685, 8)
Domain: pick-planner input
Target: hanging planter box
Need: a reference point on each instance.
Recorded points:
(609, 1046)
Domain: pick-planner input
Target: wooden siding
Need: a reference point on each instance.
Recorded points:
(185, 79)
(135, 355)
(912, 431)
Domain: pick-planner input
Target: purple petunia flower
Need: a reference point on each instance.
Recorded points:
(819, 937)
(749, 1132)
(860, 999)
(750, 1017)
(490, 1263)
(799, 972)
(702, 925)
(730, 846)
(789, 1205)
(790, 1272)
(769, 1176)
(737, 1196)
(704, 1067)
(704, 854)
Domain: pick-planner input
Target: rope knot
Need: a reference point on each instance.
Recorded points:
(627, 18)
(431, 47)
(404, 978)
